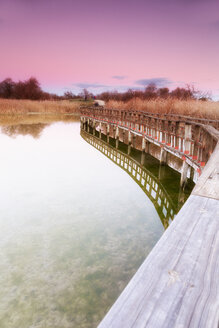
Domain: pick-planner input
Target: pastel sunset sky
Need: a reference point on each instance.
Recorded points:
(106, 45)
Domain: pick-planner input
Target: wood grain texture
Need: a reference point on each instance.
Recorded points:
(177, 285)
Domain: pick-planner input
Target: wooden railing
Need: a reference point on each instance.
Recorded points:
(188, 137)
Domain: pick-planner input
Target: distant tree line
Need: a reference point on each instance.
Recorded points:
(30, 89)
(151, 92)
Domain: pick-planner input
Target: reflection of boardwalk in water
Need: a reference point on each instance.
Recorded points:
(142, 176)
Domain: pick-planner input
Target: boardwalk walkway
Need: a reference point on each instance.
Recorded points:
(178, 283)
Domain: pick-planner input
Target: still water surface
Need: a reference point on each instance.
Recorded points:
(74, 228)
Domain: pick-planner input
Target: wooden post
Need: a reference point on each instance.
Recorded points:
(163, 131)
(148, 127)
(107, 132)
(143, 144)
(155, 128)
(188, 137)
(161, 173)
(88, 125)
(123, 135)
(163, 156)
(94, 127)
(117, 143)
(147, 147)
(107, 129)
(117, 133)
(142, 157)
(192, 171)
(184, 172)
(159, 130)
(168, 142)
(100, 127)
(129, 138)
(133, 140)
(177, 135)
(114, 131)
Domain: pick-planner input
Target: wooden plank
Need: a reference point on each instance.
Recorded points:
(177, 285)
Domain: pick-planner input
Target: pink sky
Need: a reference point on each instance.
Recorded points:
(69, 44)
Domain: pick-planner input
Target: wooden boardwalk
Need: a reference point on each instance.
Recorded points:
(178, 283)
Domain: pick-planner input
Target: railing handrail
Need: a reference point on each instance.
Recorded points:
(195, 140)
(179, 117)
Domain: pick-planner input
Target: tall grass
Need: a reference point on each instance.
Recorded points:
(193, 108)
(13, 106)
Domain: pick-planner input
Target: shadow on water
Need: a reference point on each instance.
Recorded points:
(160, 183)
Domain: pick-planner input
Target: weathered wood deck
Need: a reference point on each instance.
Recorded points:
(178, 283)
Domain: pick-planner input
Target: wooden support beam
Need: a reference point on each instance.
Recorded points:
(129, 149)
(161, 173)
(117, 143)
(142, 158)
(143, 144)
(133, 140)
(94, 127)
(100, 128)
(184, 172)
(163, 156)
(188, 137)
(129, 137)
(117, 133)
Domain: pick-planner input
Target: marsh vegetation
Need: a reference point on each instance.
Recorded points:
(192, 107)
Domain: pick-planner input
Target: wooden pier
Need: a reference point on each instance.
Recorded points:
(177, 285)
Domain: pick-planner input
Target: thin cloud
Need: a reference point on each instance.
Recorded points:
(119, 77)
(97, 88)
(159, 81)
(90, 85)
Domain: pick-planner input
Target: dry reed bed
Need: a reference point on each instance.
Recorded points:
(193, 108)
(12, 106)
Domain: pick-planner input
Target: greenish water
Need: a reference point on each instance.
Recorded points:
(74, 227)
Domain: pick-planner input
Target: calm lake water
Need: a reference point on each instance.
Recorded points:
(74, 227)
